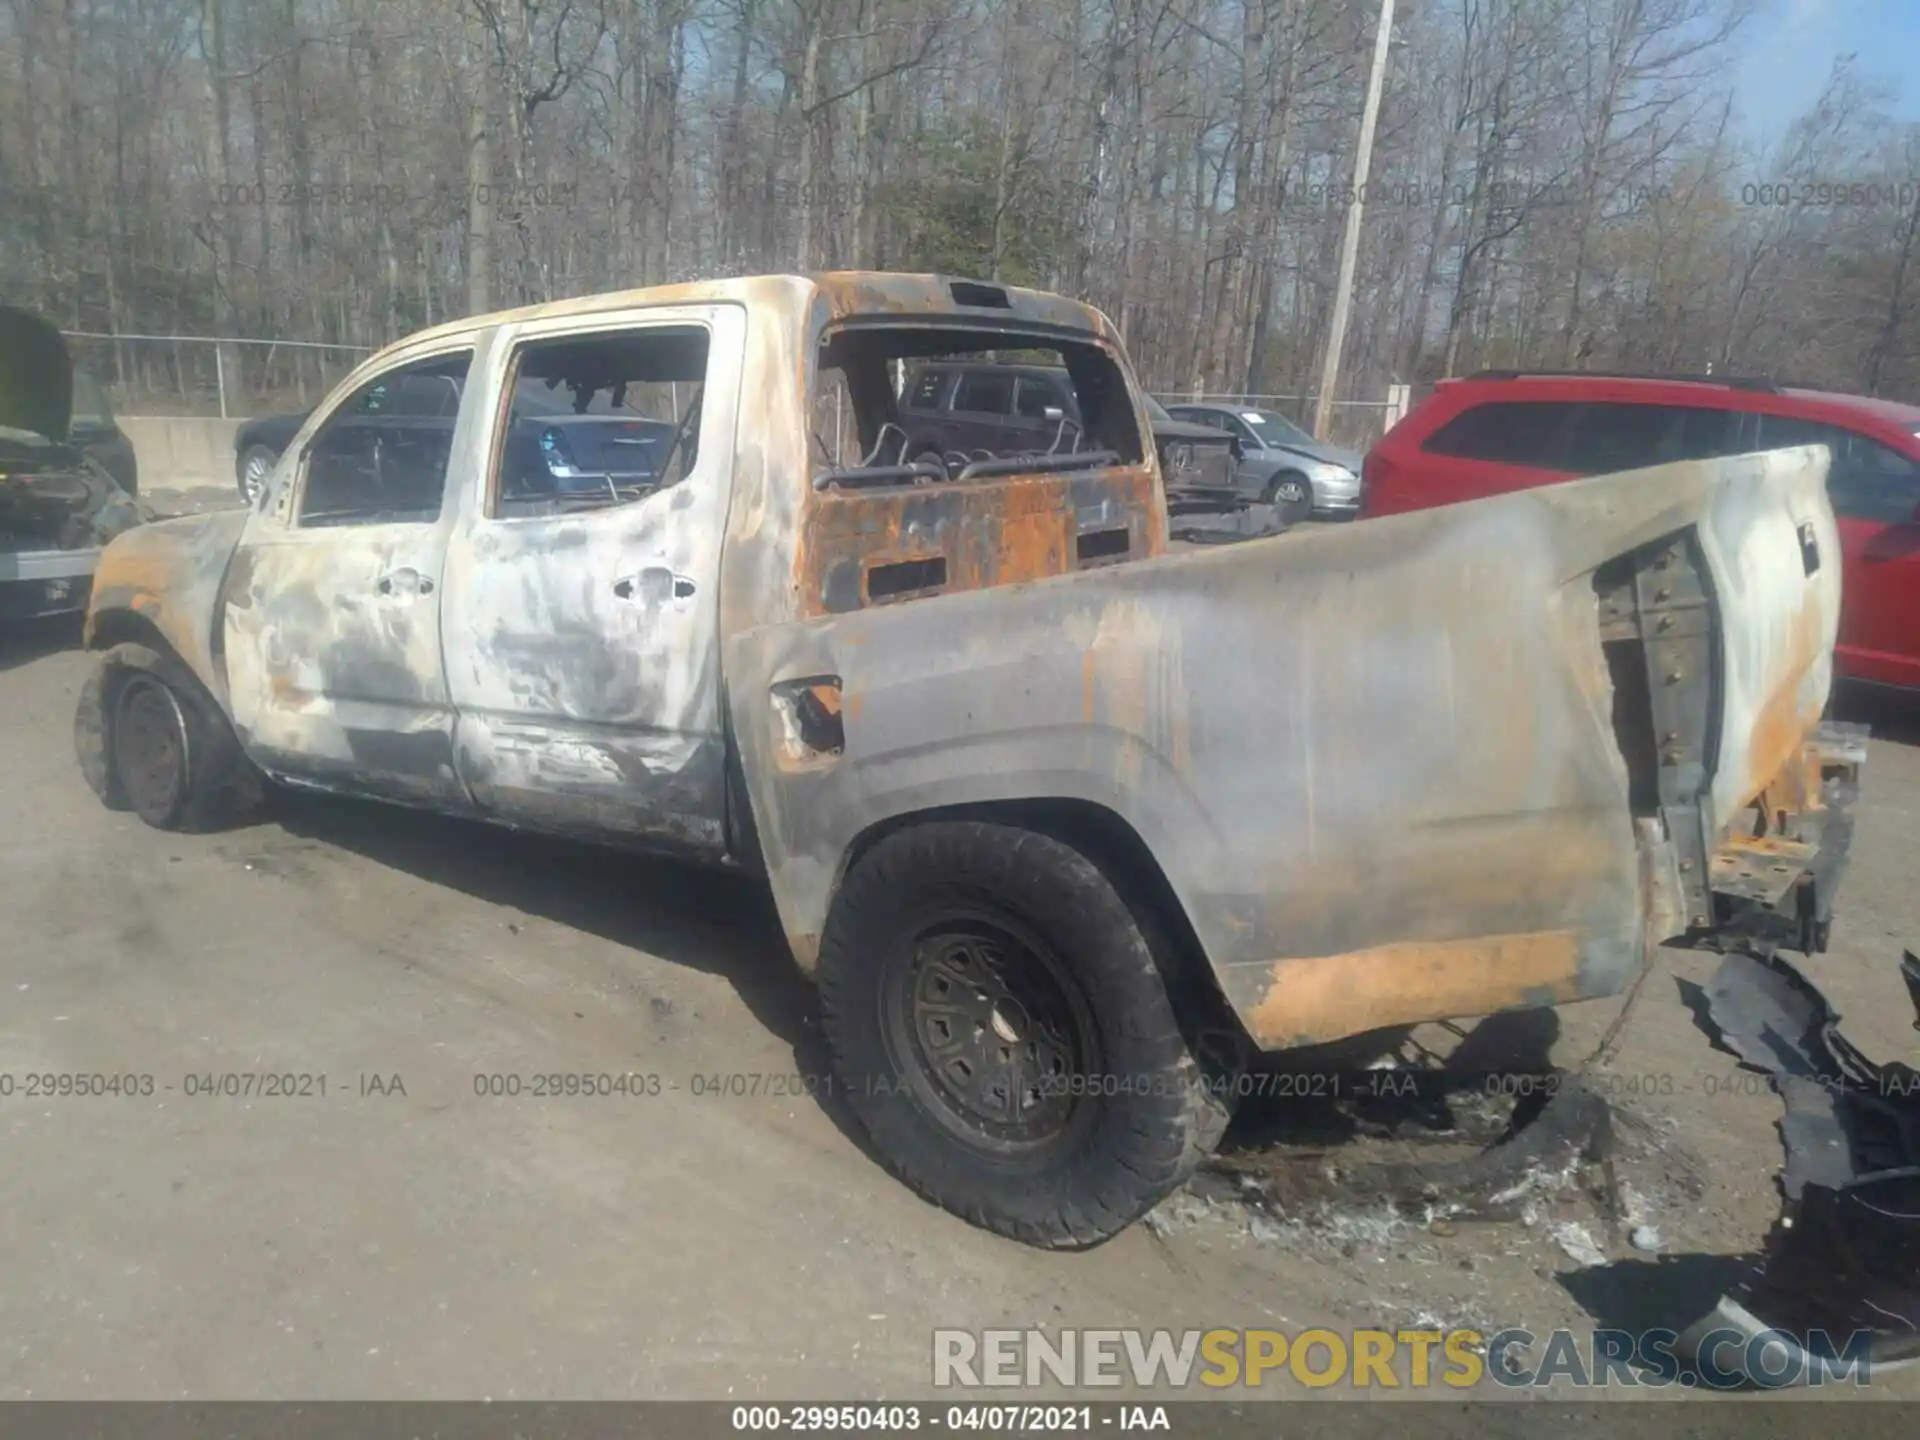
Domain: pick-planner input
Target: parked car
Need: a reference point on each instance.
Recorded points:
(1060, 821)
(95, 431)
(58, 506)
(553, 450)
(258, 445)
(1210, 496)
(1282, 461)
(952, 411)
(1500, 431)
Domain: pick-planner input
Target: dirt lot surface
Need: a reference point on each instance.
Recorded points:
(728, 1236)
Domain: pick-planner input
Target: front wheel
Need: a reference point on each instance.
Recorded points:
(151, 740)
(1291, 494)
(999, 1022)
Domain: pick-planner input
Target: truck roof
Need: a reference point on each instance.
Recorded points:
(846, 293)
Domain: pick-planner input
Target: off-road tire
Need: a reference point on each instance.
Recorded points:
(1144, 1118)
(215, 786)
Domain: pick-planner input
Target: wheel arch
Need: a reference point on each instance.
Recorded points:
(108, 628)
(1280, 470)
(163, 585)
(107, 631)
(1111, 842)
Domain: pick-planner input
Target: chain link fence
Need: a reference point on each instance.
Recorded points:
(205, 376)
(201, 376)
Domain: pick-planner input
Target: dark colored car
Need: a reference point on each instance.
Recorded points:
(1501, 430)
(95, 431)
(258, 445)
(959, 410)
(58, 505)
(552, 450)
(1283, 462)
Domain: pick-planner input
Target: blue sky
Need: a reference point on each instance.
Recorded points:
(1791, 44)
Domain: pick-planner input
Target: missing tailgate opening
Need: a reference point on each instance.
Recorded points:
(1097, 545)
(906, 577)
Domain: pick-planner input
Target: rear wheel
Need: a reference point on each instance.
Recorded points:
(999, 1023)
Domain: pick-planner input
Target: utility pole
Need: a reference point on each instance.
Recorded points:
(1350, 243)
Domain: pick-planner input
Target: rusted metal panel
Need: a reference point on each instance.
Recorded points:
(990, 532)
(1780, 621)
(1762, 868)
(1310, 998)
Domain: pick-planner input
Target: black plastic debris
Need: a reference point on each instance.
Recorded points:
(1218, 523)
(1535, 1149)
(1844, 1259)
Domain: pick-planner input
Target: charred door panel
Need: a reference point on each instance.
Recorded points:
(581, 630)
(331, 622)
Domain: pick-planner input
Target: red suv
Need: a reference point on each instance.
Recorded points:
(1504, 430)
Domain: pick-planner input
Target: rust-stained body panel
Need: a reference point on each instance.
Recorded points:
(1376, 764)
(169, 574)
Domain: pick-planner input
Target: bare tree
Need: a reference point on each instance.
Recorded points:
(1557, 181)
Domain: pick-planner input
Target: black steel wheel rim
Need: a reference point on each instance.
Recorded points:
(150, 745)
(994, 1032)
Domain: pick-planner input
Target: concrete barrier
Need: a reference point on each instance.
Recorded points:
(181, 451)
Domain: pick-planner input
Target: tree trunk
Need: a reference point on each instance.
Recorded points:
(809, 97)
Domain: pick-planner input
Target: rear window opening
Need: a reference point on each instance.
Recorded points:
(899, 405)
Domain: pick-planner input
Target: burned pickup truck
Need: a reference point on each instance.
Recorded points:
(1060, 822)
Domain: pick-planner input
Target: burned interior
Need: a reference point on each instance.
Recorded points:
(956, 457)
(901, 404)
(383, 455)
(600, 420)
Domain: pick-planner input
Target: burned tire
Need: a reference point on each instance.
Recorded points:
(998, 1021)
(151, 740)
